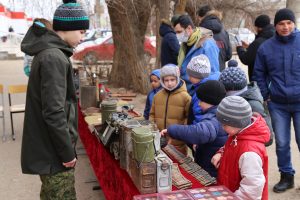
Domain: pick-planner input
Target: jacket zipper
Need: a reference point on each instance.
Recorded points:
(166, 111)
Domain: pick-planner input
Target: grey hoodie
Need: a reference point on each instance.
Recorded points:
(255, 99)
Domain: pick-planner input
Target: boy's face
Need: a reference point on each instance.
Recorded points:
(194, 80)
(204, 106)
(170, 82)
(230, 130)
(154, 80)
(73, 38)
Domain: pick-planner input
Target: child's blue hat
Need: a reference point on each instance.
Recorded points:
(156, 73)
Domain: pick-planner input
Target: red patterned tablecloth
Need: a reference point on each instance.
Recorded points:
(114, 181)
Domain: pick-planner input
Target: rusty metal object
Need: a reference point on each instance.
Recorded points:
(143, 176)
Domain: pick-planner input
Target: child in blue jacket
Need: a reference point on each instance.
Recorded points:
(208, 134)
(199, 71)
(155, 84)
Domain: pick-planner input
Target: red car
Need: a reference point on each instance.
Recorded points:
(105, 51)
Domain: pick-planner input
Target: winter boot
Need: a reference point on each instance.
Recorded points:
(286, 182)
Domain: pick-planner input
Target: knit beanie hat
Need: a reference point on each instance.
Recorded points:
(184, 21)
(203, 10)
(70, 16)
(284, 14)
(211, 92)
(169, 70)
(233, 77)
(174, 19)
(261, 21)
(234, 111)
(199, 67)
(155, 72)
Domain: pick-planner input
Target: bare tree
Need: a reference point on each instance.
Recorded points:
(180, 6)
(129, 23)
(41, 8)
(162, 11)
(234, 11)
(45, 9)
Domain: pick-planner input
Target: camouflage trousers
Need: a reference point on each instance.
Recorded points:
(58, 186)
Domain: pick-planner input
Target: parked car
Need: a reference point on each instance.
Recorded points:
(105, 51)
(89, 43)
(94, 34)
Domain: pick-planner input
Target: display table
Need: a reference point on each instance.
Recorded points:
(114, 181)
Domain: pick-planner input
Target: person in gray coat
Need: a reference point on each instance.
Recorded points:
(235, 81)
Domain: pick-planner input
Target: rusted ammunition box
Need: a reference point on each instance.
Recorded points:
(143, 176)
(88, 96)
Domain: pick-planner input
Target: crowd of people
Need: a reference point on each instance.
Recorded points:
(196, 101)
(226, 120)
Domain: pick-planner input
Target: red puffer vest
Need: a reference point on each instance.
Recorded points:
(251, 139)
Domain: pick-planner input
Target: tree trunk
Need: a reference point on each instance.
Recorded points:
(162, 12)
(180, 7)
(191, 9)
(294, 5)
(129, 23)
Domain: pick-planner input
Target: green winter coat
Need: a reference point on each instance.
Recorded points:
(50, 122)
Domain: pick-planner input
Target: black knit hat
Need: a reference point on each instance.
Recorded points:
(174, 19)
(184, 21)
(234, 111)
(233, 77)
(284, 14)
(203, 10)
(261, 21)
(70, 16)
(211, 92)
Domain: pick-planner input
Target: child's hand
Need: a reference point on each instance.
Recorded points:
(194, 147)
(216, 160)
(164, 132)
(245, 44)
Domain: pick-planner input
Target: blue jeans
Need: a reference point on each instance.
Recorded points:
(281, 115)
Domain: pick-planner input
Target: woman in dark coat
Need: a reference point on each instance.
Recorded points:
(169, 44)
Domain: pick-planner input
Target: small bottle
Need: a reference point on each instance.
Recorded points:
(102, 92)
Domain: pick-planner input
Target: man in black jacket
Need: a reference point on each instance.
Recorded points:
(247, 53)
(211, 19)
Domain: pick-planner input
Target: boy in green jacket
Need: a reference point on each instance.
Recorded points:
(50, 123)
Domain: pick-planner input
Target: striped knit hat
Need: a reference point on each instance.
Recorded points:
(199, 67)
(234, 111)
(70, 16)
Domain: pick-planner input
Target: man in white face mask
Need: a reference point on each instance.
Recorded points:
(183, 36)
(195, 41)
